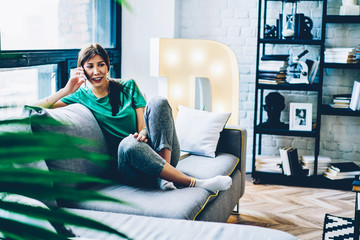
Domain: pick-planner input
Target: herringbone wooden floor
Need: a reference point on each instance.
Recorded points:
(296, 210)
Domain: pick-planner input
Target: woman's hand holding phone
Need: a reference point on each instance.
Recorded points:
(75, 81)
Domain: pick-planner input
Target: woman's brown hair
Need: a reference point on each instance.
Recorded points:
(91, 51)
(115, 87)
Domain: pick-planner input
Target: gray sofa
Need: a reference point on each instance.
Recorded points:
(182, 203)
(152, 208)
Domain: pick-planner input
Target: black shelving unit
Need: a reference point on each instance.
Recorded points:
(327, 110)
(295, 42)
(317, 88)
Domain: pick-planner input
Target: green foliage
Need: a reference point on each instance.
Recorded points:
(17, 150)
(125, 4)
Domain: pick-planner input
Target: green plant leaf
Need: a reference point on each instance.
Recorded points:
(17, 149)
(38, 176)
(58, 216)
(49, 192)
(125, 4)
(22, 231)
(25, 147)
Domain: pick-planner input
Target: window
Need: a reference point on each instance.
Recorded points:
(40, 40)
(55, 24)
(22, 86)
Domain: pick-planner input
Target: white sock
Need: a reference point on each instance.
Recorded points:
(218, 183)
(166, 185)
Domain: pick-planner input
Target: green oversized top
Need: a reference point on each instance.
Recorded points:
(124, 122)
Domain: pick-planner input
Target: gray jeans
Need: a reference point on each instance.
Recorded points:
(138, 162)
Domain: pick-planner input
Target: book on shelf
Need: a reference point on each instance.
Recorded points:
(270, 164)
(356, 185)
(273, 63)
(348, 167)
(341, 101)
(340, 55)
(266, 66)
(272, 77)
(355, 97)
(334, 105)
(275, 57)
(285, 161)
(342, 170)
(272, 74)
(271, 81)
(290, 162)
(308, 164)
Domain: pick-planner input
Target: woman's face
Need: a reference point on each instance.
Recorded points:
(96, 70)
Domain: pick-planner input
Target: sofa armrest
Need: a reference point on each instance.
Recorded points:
(233, 140)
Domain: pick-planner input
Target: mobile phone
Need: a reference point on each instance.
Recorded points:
(85, 78)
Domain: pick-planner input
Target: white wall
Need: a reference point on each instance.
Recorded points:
(155, 18)
(234, 22)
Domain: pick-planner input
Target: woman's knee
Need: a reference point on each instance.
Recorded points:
(127, 147)
(158, 102)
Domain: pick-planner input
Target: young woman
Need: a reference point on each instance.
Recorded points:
(140, 135)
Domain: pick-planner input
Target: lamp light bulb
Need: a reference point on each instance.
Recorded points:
(197, 56)
(217, 69)
(172, 58)
(177, 91)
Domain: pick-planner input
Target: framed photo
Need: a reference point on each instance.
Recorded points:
(300, 116)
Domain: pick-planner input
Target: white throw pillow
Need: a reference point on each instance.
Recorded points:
(199, 131)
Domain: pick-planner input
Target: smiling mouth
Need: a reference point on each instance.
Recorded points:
(97, 79)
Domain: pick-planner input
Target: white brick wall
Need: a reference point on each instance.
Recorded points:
(234, 22)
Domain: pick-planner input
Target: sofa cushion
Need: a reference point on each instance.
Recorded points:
(203, 168)
(182, 203)
(150, 228)
(199, 131)
(77, 121)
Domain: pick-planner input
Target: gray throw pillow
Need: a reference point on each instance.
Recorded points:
(79, 122)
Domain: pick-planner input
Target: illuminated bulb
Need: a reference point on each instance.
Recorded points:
(177, 92)
(217, 69)
(219, 108)
(197, 57)
(172, 58)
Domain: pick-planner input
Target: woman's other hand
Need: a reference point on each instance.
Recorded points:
(140, 137)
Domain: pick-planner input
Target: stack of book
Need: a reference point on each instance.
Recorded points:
(307, 163)
(355, 97)
(341, 101)
(356, 186)
(342, 170)
(290, 162)
(272, 69)
(340, 55)
(264, 163)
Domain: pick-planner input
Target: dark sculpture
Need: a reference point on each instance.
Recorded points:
(270, 31)
(274, 104)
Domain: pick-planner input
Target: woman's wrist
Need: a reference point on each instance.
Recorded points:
(144, 132)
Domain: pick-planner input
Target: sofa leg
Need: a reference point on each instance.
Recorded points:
(236, 208)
